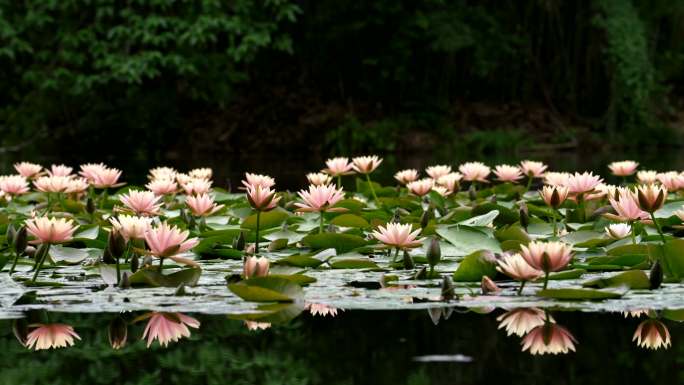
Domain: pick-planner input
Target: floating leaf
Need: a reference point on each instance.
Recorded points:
(634, 279)
(70, 255)
(339, 241)
(579, 294)
(467, 240)
(300, 261)
(481, 220)
(350, 220)
(267, 220)
(352, 263)
(475, 266)
(567, 274)
(154, 278)
(267, 289)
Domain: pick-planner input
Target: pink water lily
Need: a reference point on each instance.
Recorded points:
(131, 227)
(168, 327)
(255, 267)
(438, 171)
(201, 173)
(618, 230)
(582, 183)
(451, 181)
(516, 267)
(77, 186)
(474, 171)
(253, 180)
(508, 173)
(339, 166)
(623, 168)
(406, 176)
(59, 170)
(28, 170)
(162, 173)
(320, 199)
(13, 185)
(532, 169)
(196, 186)
(162, 186)
(167, 241)
(651, 197)
(398, 235)
(366, 164)
(202, 205)
(52, 184)
(101, 176)
(421, 187)
(627, 206)
(556, 178)
(262, 198)
(318, 178)
(647, 176)
(546, 256)
(51, 336)
(319, 309)
(554, 196)
(50, 230)
(548, 339)
(142, 202)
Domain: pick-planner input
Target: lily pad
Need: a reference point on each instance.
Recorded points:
(267, 289)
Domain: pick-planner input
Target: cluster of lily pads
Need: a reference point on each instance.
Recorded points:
(517, 231)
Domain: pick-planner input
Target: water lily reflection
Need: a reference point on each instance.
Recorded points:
(521, 321)
(50, 336)
(322, 310)
(167, 327)
(254, 325)
(549, 338)
(652, 334)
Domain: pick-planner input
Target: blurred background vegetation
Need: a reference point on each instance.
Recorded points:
(163, 80)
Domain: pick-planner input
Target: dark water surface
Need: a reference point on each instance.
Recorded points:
(355, 347)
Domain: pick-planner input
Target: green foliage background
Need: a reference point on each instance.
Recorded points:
(146, 75)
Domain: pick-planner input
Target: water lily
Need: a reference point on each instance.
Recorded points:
(48, 231)
(406, 176)
(546, 256)
(366, 165)
(162, 186)
(320, 199)
(167, 173)
(105, 177)
(13, 185)
(582, 183)
(556, 178)
(261, 199)
(623, 168)
(52, 184)
(647, 176)
(131, 227)
(90, 170)
(626, 205)
(549, 339)
(651, 197)
(254, 325)
(51, 336)
(319, 309)
(318, 178)
(202, 205)
(421, 187)
(533, 169)
(59, 170)
(77, 186)
(28, 170)
(196, 186)
(435, 172)
(508, 173)
(339, 166)
(672, 181)
(168, 327)
(254, 180)
(474, 171)
(451, 181)
(201, 173)
(168, 241)
(398, 236)
(652, 334)
(255, 267)
(516, 267)
(554, 196)
(144, 203)
(618, 230)
(521, 321)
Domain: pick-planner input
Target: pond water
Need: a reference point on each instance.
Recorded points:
(382, 327)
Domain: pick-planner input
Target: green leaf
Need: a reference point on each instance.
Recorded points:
(152, 277)
(340, 242)
(512, 233)
(350, 220)
(481, 220)
(579, 294)
(566, 274)
(267, 289)
(671, 257)
(353, 263)
(299, 261)
(70, 255)
(268, 219)
(467, 240)
(474, 266)
(505, 216)
(586, 238)
(634, 279)
(88, 232)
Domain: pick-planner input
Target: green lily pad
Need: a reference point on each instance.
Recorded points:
(475, 266)
(579, 294)
(634, 279)
(338, 241)
(467, 240)
(154, 278)
(267, 289)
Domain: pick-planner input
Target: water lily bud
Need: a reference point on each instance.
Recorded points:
(11, 233)
(425, 219)
(656, 275)
(472, 193)
(421, 274)
(524, 215)
(116, 243)
(447, 289)
(107, 256)
(434, 252)
(21, 241)
(435, 314)
(125, 283)
(180, 290)
(20, 330)
(90, 205)
(488, 286)
(118, 333)
(408, 261)
(135, 263)
(239, 243)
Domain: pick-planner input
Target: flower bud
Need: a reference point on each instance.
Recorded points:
(118, 333)
(408, 261)
(125, 283)
(656, 275)
(116, 243)
(488, 286)
(239, 242)
(107, 256)
(524, 215)
(425, 219)
(21, 241)
(447, 289)
(135, 263)
(421, 274)
(472, 192)
(434, 252)
(10, 235)
(90, 205)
